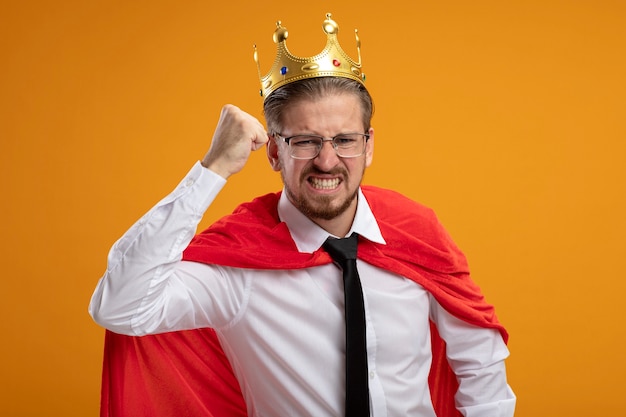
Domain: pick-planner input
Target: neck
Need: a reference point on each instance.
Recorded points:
(340, 225)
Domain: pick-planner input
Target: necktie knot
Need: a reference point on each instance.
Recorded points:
(342, 250)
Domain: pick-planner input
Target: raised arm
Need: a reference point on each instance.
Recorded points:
(144, 277)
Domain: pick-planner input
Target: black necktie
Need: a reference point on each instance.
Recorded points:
(343, 251)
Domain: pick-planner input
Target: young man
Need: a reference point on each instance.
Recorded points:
(263, 278)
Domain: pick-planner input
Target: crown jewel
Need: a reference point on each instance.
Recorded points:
(331, 62)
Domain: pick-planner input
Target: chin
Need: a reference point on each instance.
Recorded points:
(323, 208)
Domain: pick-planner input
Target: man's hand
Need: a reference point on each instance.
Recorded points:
(237, 134)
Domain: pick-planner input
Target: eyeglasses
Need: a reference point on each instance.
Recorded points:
(346, 145)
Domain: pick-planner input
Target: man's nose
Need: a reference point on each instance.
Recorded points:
(327, 158)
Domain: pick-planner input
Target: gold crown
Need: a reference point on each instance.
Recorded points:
(331, 62)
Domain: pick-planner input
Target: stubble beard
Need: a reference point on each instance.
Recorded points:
(319, 207)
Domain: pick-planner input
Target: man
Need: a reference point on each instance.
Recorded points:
(263, 279)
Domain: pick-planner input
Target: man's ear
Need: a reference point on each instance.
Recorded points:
(272, 153)
(369, 148)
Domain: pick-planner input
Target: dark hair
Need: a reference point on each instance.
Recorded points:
(313, 88)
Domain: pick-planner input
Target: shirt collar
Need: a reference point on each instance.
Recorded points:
(309, 237)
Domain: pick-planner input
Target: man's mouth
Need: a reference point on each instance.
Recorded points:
(324, 183)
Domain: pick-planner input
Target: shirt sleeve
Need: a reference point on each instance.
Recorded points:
(476, 356)
(146, 288)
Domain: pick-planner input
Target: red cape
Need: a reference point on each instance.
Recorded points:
(187, 374)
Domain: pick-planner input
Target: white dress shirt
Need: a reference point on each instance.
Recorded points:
(283, 330)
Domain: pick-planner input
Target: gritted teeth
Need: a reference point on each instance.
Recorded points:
(325, 183)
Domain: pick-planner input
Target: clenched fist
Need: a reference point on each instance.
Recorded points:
(237, 134)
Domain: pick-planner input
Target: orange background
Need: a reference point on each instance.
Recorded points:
(506, 117)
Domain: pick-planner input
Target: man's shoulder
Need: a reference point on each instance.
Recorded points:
(387, 200)
(263, 206)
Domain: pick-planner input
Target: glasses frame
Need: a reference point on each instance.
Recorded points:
(321, 145)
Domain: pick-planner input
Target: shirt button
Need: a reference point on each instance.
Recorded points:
(372, 374)
(189, 182)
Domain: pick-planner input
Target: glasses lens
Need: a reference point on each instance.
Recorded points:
(349, 144)
(304, 146)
